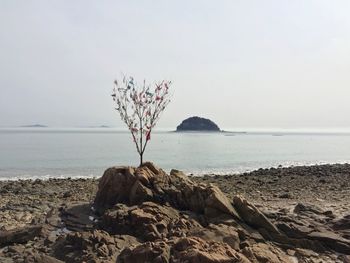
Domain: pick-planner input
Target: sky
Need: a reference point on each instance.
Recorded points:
(242, 63)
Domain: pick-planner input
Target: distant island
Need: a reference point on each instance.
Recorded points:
(34, 126)
(100, 126)
(197, 124)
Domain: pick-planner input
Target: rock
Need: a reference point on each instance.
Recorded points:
(132, 186)
(218, 233)
(285, 196)
(218, 201)
(148, 221)
(189, 249)
(21, 235)
(252, 216)
(262, 252)
(332, 240)
(344, 258)
(139, 193)
(294, 230)
(313, 237)
(342, 224)
(115, 186)
(88, 246)
(42, 258)
(306, 253)
(6, 260)
(67, 194)
(147, 252)
(307, 208)
(197, 124)
(196, 250)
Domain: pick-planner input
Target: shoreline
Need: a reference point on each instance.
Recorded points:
(326, 185)
(229, 172)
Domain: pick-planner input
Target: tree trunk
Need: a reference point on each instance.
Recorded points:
(141, 159)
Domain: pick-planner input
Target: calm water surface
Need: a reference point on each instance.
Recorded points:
(43, 152)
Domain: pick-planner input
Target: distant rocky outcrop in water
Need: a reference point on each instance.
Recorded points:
(34, 126)
(197, 124)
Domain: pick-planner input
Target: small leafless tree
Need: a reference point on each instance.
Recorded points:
(140, 107)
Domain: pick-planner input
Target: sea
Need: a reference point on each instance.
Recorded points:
(86, 152)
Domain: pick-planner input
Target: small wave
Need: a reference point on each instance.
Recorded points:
(46, 177)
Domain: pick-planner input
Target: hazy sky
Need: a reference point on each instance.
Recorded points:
(245, 63)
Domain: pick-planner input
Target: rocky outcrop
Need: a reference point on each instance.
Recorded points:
(197, 124)
(133, 186)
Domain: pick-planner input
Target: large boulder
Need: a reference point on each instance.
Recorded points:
(115, 186)
(133, 186)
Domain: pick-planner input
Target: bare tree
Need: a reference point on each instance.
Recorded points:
(140, 107)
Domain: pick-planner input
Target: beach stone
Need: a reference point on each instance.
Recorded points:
(21, 235)
(285, 196)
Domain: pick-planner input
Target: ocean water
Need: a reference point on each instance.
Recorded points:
(45, 152)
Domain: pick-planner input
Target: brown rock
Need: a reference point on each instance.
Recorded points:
(147, 252)
(134, 186)
(114, 186)
(332, 240)
(262, 252)
(252, 216)
(196, 250)
(342, 224)
(41, 258)
(191, 250)
(217, 200)
(219, 233)
(95, 246)
(148, 221)
(21, 235)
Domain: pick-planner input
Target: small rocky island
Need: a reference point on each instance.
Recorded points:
(197, 124)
